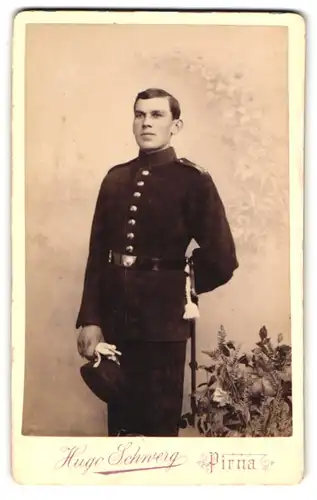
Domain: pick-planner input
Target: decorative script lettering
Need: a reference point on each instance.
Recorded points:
(234, 462)
(127, 457)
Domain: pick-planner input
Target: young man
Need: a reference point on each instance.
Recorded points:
(136, 291)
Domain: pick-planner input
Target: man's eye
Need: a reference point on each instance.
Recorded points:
(156, 115)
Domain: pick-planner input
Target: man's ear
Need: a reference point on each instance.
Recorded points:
(177, 126)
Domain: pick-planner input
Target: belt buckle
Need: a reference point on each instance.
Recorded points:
(128, 260)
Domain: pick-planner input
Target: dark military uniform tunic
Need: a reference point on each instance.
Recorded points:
(151, 208)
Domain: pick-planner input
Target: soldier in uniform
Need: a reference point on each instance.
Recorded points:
(136, 289)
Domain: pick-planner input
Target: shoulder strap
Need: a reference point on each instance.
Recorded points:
(188, 163)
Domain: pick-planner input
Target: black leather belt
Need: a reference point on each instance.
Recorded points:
(146, 263)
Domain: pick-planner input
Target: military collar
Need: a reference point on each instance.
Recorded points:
(158, 157)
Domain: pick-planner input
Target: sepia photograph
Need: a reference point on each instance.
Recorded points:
(157, 232)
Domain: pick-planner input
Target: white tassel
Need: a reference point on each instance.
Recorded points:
(191, 309)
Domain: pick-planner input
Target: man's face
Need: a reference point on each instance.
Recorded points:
(153, 124)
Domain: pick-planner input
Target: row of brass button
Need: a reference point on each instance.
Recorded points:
(134, 208)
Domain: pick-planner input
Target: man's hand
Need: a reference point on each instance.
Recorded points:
(88, 339)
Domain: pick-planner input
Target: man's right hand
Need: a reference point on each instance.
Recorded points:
(88, 339)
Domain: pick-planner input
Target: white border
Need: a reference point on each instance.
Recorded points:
(311, 199)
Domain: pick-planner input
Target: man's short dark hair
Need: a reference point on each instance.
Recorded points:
(153, 92)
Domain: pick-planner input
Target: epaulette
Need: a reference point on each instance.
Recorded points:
(121, 165)
(188, 163)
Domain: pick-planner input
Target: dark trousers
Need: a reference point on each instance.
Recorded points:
(151, 402)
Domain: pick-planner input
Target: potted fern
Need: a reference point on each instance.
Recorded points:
(244, 394)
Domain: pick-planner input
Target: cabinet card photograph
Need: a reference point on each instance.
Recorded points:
(157, 248)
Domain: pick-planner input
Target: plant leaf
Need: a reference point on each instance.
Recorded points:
(221, 397)
(231, 345)
(263, 333)
(199, 425)
(243, 360)
(209, 369)
(212, 380)
(225, 350)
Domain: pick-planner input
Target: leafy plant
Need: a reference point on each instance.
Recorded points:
(245, 394)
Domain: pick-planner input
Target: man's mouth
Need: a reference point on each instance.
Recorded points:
(147, 134)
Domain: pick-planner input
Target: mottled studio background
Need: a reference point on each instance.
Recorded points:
(81, 81)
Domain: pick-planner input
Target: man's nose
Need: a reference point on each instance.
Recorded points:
(147, 121)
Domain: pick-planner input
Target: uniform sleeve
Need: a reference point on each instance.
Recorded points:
(90, 307)
(215, 260)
